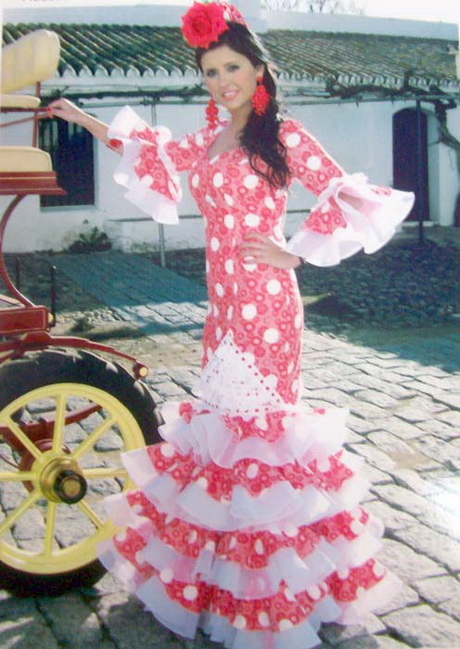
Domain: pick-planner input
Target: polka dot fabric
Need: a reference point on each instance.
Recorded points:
(246, 521)
(258, 303)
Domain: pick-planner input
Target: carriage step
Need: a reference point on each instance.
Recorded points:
(22, 319)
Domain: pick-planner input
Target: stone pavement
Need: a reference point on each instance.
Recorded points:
(404, 402)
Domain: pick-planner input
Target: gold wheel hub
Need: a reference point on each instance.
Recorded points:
(60, 479)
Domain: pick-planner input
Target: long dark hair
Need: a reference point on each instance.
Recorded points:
(259, 138)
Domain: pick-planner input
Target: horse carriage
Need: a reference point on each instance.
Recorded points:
(68, 406)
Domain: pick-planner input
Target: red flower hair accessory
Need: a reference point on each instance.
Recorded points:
(205, 22)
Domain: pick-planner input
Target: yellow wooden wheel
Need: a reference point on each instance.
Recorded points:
(60, 456)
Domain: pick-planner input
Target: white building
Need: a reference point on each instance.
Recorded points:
(353, 81)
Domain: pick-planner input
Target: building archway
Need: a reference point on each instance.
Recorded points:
(410, 159)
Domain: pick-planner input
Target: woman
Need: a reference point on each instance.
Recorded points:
(246, 521)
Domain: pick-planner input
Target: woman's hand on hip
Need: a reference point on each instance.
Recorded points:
(259, 249)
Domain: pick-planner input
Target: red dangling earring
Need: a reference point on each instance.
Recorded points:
(212, 114)
(261, 97)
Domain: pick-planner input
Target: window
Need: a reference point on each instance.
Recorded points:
(71, 149)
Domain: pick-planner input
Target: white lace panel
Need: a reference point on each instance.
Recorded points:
(231, 383)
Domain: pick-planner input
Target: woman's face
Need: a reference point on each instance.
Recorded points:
(231, 78)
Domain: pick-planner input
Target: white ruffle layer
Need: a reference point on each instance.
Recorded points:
(247, 583)
(384, 591)
(303, 636)
(141, 192)
(308, 435)
(280, 507)
(370, 227)
(185, 623)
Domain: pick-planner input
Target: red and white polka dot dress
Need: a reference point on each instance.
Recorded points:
(246, 520)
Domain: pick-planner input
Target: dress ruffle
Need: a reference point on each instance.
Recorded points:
(216, 438)
(145, 169)
(186, 493)
(256, 542)
(335, 229)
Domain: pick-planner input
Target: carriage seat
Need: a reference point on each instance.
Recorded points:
(29, 60)
(23, 158)
(25, 63)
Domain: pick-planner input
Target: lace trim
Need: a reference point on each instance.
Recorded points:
(231, 383)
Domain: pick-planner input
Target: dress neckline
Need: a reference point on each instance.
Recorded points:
(222, 153)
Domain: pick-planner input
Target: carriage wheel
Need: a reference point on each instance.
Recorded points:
(64, 421)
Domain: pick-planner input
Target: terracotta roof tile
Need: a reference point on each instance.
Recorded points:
(300, 55)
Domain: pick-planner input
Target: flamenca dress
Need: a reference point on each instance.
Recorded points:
(246, 520)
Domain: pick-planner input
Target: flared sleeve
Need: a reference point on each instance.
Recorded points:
(150, 163)
(349, 215)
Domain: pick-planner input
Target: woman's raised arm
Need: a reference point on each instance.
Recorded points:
(68, 111)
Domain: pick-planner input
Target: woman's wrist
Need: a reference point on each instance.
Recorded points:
(288, 260)
(294, 261)
(97, 128)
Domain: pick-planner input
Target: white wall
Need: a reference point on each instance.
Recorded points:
(359, 137)
(449, 181)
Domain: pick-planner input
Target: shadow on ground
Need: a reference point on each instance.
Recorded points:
(404, 299)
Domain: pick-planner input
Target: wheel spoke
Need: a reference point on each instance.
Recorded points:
(49, 531)
(105, 472)
(22, 438)
(16, 476)
(59, 423)
(69, 535)
(90, 513)
(19, 511)
(89, 441)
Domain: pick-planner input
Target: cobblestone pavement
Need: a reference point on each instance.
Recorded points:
(404, 403)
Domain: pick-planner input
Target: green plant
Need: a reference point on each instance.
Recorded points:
(81, 325)
(93, 241)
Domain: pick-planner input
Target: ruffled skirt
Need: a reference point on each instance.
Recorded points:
(249, 528)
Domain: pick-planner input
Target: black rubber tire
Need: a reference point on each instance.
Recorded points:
(44, 368)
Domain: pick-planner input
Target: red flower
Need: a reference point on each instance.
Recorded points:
(203, 24)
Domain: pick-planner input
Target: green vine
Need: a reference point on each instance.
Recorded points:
(445, 136)
(406, 91)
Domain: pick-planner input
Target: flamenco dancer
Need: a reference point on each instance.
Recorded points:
(245, 522)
